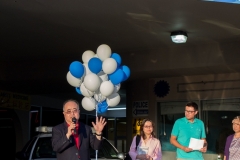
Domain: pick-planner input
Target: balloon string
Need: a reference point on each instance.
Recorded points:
(96, 117)
(96, 109)
(98, 98)
(80, 82)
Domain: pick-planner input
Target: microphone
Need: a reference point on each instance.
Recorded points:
(74, 120)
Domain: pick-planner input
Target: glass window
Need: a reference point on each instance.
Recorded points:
(170, 112)
(28, 147)
(121, 134)
(43, 149)
(217, 116)
(116, 133)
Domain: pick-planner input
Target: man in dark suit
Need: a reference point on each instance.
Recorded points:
(71, 140)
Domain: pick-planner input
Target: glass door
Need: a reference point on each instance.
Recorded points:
(116, 131)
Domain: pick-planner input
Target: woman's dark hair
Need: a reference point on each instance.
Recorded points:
(141, 128)
(192, 104)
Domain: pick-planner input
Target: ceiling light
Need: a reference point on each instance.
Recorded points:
(179, 37)
(116, 109)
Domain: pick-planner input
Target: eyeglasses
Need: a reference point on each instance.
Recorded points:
(148, 126)
(189, 111)
(73, 111)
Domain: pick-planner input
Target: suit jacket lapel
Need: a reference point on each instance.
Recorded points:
(65, 127)
(80, 133)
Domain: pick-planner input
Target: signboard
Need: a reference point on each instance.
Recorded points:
(14, 100)
(140, 108)
(136, 122)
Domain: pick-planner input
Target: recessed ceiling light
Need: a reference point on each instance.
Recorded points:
(179, 36)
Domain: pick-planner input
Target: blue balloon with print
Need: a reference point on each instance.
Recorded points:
(117, 76)
(117, 58)
(95, 65)
(76, 68)
(126, 72)
(78, 90)
(102, 107)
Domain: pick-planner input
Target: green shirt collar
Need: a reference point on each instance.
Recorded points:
(186, 120)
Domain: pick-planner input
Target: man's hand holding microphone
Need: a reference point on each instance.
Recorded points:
(72, 128)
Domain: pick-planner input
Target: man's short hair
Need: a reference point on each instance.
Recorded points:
(70, 100)
(192, 104)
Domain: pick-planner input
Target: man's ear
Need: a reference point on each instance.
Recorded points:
(196, 112)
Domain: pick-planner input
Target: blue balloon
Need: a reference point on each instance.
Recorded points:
(117, 76)
(78, 90)
(76, 68)
(126, 72)
(95, 65)
(102, 107)
(117, 58)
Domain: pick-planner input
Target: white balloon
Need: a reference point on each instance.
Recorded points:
(89, 103)
(73, 81)
(109, 65)
(106, 88)
(116, 88)
(103, 52)
(86, 69)
(85, 91)
(87, 55)
(91, 82)
(113, 100)
(103, 76)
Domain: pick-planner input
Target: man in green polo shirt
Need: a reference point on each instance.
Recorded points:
(186, 128)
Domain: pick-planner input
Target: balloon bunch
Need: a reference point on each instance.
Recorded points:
(98, 78)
